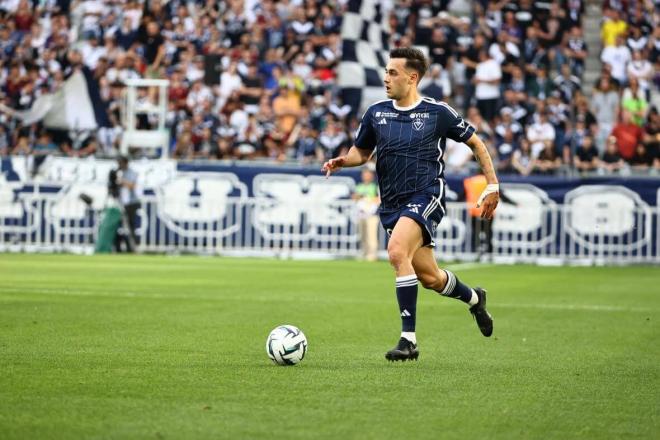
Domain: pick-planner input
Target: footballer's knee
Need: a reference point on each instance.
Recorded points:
(428, 281)
(398, 254)
(433, 281)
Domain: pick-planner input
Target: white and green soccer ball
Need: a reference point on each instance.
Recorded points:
(286, 345)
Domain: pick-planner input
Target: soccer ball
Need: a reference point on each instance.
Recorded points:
(286, 345)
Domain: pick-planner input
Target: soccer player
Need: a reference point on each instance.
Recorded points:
(409, 132)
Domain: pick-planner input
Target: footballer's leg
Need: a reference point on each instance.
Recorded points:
(406, 238)
(446, 283)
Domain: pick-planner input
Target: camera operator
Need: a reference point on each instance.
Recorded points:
(122, 185)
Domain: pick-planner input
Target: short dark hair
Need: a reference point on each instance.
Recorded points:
(415, 59)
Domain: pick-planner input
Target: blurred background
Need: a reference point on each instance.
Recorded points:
(200, 126)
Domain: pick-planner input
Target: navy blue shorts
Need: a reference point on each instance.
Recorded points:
(426, 209)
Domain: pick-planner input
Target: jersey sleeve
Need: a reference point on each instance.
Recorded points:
(365, 137)
(458, 129)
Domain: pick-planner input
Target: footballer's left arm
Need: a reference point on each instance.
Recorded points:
(491, 195)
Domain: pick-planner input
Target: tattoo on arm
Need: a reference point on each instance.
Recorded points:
(483, 158)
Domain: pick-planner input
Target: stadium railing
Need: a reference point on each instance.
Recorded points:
(257, 226)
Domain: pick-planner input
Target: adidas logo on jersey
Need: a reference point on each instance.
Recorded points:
(414, 207)
(382, 122)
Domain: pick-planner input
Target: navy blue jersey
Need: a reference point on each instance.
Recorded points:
(410, 143)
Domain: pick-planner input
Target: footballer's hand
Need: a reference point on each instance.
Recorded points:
(488, 201)
(333, 165)
(489, 204)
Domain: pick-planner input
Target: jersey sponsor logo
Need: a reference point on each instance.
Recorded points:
(387, 115)
(419, 116)
(418, 124)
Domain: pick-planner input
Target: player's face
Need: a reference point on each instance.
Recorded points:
(398, 80)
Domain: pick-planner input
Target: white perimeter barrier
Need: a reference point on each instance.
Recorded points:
(595, 225)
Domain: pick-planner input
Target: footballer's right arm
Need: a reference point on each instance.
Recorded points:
(355, 157)
(360, 152)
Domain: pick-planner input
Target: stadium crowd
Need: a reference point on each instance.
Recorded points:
(257, 79)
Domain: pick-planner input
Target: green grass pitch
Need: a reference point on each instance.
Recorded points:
(155, 347)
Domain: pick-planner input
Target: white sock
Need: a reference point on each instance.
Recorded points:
(474, 299)
(409, 336)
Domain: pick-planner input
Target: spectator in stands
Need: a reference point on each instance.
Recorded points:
(576, 51)
(547, 162)
(251, 89)
(605, 106)
(506, 122)
(617, 56)
(207, 146)
(470, 59)
(287, 108)
(284, 45)
(522, 160)
(641, 159)
(22, 147)
(611, 161)
(154, 48)
(586, 156)
(44, 145)
(333, 140)
(540, 134)
(636, 40)
(613, 27)
(628, 135)
(431, 84)
(581, 112)
(487, 78)
(633, 100)
(566, 83)
(230, 82)
(642, 70)
(506, 146)
(184, 147)
(306, 147)
(539, 86)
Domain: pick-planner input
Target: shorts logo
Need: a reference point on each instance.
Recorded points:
(418, 124)
(414, 207)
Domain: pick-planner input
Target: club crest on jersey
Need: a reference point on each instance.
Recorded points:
(418, 124)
